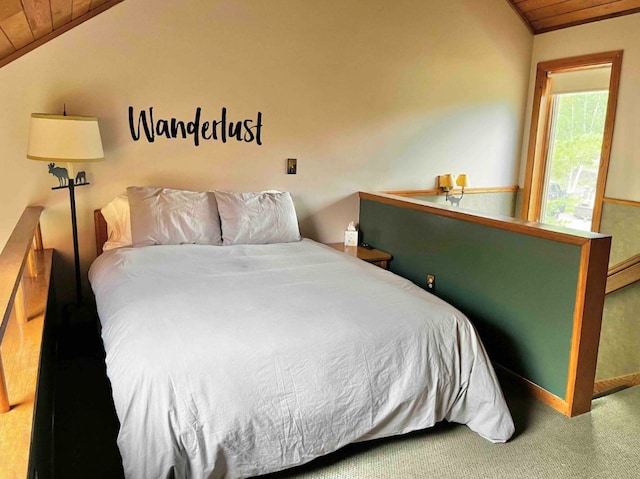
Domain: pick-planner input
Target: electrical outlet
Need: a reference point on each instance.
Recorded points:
(431, 283)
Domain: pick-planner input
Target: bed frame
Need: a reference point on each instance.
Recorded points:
(101, 231)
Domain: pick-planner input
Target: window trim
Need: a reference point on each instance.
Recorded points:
(540, 123)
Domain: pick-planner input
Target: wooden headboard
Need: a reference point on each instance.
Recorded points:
(101, 230)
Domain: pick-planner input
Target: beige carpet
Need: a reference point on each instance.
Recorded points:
(604, 443)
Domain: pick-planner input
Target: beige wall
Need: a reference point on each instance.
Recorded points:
(368, 95)
(622, 33)
(619, 352)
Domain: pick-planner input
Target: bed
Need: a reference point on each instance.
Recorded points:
(236, 360)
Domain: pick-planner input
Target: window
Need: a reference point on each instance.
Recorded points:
(570, 140)
(573, 158)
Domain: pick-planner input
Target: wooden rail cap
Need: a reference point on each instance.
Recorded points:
(623, 274)
(12, 262)
(13, 258)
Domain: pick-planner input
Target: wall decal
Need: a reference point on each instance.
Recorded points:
(248, 130)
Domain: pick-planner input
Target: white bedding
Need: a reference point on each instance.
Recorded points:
(234, 361)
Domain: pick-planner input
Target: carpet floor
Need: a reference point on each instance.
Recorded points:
(604, 443)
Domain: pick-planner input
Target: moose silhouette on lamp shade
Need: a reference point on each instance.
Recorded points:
(63, 175)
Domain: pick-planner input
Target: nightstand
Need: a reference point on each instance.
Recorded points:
(373, 256)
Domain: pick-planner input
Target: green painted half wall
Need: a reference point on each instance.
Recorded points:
(518, 290)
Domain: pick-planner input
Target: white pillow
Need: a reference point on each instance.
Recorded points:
(257, 218)
(117, 215)
(169, 217)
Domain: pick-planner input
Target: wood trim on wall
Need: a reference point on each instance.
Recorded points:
(617, 201)
(537, 392)
(537, 145)
(628, 380)
(467, 191)
(607, 139)
(623, 274)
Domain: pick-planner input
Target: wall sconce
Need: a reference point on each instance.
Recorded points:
(445, 183)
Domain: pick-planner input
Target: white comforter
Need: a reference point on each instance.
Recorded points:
(234, 361)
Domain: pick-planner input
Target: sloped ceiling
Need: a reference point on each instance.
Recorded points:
(546, 15)
(27, 24)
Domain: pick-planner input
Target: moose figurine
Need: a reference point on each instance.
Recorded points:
(63, 175)
(60, 173)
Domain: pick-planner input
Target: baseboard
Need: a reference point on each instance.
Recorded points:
(537, 392)
(605, 385)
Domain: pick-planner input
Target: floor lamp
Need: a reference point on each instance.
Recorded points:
(70, 140)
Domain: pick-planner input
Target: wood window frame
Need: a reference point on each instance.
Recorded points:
(540, 123)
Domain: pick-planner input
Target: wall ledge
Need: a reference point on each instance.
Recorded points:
(530, 228)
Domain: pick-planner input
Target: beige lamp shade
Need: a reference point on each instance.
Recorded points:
(445, 181)
(462, 180)
(64, 138)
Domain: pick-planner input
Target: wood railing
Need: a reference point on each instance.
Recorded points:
(25, 273)
(623, 274)
(25, 239)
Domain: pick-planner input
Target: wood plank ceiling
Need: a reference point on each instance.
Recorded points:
(27, 24)
(546, 15)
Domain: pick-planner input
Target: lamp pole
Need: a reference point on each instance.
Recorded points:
(74, 227)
